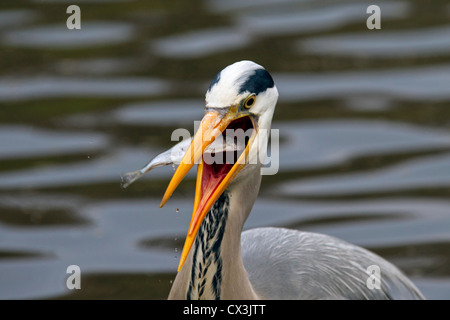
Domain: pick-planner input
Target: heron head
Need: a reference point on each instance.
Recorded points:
(239, 106)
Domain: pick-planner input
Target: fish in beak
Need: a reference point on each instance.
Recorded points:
(212, 178)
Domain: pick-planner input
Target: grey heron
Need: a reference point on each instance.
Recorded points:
(219, 261)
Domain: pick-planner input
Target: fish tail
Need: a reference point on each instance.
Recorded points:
(130, 177)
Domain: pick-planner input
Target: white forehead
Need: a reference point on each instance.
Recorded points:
(228, 87)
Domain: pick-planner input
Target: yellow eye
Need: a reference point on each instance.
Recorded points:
(249, 102)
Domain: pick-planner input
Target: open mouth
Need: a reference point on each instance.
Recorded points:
(218, 164)
(235, 139)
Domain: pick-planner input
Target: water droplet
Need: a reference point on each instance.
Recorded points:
(173, 166)
(176, 249)
(171, 281)
(177, 210)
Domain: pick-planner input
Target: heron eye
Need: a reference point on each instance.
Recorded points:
(249, 102)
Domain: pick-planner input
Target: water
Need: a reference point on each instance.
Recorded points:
(363, 117)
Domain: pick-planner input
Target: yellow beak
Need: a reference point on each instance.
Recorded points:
(208, 188)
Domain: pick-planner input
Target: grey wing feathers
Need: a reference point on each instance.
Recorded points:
(289, 264)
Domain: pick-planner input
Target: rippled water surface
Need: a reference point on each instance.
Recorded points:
(363, 117)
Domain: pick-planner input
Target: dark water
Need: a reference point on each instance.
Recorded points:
(364, 120)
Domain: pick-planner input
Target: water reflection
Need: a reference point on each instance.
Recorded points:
(218, 6)
(97, 66)
(309, 145)
(428, 172)
(399, 44)
(416, 84)
(305, 21)
(21, 141)
(40, 87)
(12, 18)
(161, 113)
(93, 169)
(92, 34)
(197, 44)
(363, 120)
